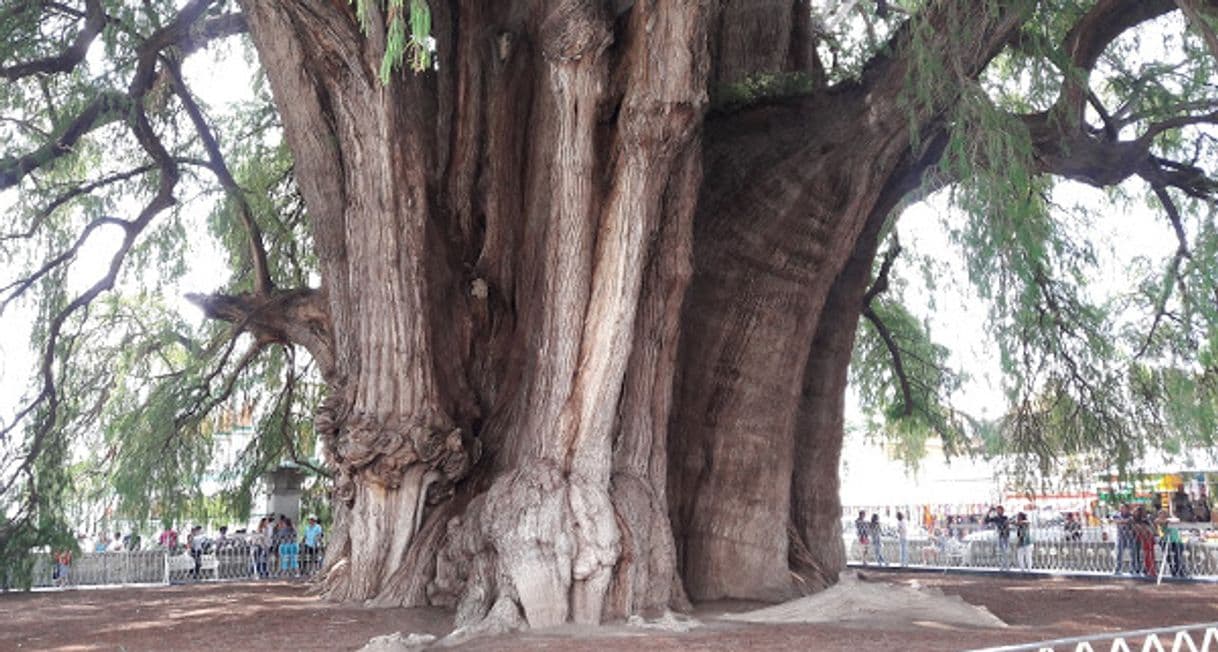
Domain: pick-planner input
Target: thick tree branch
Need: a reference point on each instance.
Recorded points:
(1087, 40)
(95, 20)
(284, 316)
(185, 32)
(103, 110)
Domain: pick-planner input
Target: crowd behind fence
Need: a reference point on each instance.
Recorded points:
(1094, 551)
(160, 566)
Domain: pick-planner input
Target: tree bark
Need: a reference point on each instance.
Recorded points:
(531, 419)
(500, 304)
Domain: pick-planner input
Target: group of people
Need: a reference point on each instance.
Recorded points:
(276, 539)
(1139, 535)
(1001, 523)
(870, 537)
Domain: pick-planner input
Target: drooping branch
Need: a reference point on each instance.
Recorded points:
(1173, 268)
(894, 349)
(48, 395)
(262, 275)
(72, 193)
(186, 32)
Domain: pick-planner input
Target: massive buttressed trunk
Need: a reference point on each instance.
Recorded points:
(504, 246)
(585, 345)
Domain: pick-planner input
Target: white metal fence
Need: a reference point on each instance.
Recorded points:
(1093, 552)
(159, 566)
(1194, 638)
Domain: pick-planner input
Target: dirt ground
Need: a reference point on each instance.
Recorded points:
(281, 616)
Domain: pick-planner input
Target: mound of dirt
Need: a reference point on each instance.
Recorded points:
(857, 601)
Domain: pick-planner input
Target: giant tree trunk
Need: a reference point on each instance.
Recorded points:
(530, 418)
(504, 251)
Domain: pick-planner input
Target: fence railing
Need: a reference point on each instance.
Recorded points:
(1175, 639)
(160, 566)
(1092, 552)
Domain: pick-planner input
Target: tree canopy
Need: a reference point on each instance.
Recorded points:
(103, 140)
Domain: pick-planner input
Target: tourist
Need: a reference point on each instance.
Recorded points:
(272, 546)
(876, 540)
(1144, 533)
(289, 550)
(1073, 528)
(258, 545)
(902, 538)
(1023, 542)
(195, 543)
(1172, 544)
(1201, 507)
(932, 552)
(168, 539)
(1126, 541)
(1002, 531)
(63, 562)
(116, 545)
(312, 543)
(860, 530)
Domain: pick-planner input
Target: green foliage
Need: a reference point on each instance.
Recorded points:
(140, 385)
(407, 33)
(757, 88)
(907, 422)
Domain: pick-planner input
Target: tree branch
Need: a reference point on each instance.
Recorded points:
(262, 275)
(898, 364)
(95, 20)
(1173, 268)
(283, 316)
(1087, 40)
(103, 110)
(1192, 11)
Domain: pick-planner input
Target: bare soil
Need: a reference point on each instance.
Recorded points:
(282, 616)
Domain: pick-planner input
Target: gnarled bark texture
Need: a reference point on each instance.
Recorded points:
(586, 345)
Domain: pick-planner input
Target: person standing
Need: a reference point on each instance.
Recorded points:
(289, 550)
(168, 539)
(1001, 523)
(195, 542)
(1126, 541)
(1172, 545)
(860, 530)
(876, 540)
(312, 543)
(63, 564)
(1023, 542)
(903, 538)
(258, 546)
(1144, 532)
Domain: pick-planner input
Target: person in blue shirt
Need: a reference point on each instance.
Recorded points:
(312, 543)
